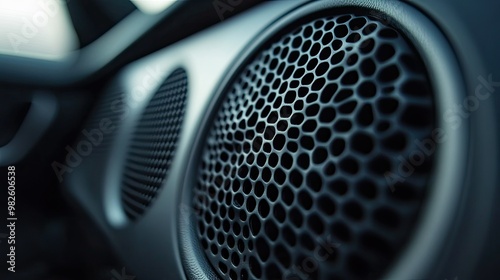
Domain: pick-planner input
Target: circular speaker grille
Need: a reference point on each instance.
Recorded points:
(153, 145)
(292, 182)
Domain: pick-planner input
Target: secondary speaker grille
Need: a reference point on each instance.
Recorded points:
(292, 180)
(110, 108)
(153, 145)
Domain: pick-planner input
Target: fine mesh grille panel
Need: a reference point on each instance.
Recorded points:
(153, 145)
(110, 109)
(292, 180)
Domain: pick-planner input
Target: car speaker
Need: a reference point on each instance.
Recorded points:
(306, 166)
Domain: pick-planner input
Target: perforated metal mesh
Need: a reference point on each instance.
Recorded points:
(292, 177)
(153, 145)
(107, 113)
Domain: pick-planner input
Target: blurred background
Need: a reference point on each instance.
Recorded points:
(53, 241)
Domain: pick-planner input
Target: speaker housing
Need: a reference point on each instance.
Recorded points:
(446, 79)
(160, 244)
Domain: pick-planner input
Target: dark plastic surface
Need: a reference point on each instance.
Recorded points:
(300, 150)
(154, 144)
(455, 42)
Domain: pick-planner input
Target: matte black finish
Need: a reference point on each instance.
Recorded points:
(451, 217)
(154, 144)
(418, 258)
(205, 58)
(302, 151)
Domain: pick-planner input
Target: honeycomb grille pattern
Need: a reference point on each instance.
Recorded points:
(153, 145)
(291, 181)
